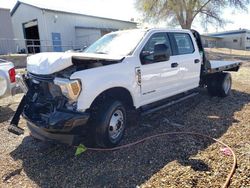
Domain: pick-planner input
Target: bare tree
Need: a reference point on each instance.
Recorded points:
(183, 12)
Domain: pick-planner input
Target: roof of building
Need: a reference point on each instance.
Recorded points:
(232, 32)
(47, 6)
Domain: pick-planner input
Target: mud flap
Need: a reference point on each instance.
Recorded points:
(13, 127)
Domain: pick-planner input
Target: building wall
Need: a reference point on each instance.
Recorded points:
(234, 41)
(6, 32)
(247, 41)
(72, 28)
(85, 37)
(240, 41)
(24, 14)
(210, 42)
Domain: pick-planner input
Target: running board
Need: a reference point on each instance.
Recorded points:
(155, 109)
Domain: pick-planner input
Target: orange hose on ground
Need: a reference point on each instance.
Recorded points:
(226, 183)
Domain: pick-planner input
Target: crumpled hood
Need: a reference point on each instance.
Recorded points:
(51, 62)
(48, 63)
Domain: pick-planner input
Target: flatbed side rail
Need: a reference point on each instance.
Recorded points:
(231, 67)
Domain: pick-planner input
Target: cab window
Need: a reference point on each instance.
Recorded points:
(147, 54)
(184, 43)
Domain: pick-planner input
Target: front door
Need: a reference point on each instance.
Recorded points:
(158, 79)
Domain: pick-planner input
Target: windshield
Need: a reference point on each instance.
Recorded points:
(118, 43)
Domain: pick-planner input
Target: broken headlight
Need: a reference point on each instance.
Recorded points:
(69, 88)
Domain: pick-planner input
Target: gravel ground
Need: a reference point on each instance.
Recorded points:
(171, 161)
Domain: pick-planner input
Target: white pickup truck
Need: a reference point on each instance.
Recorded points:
(71, 96)
(7, 79)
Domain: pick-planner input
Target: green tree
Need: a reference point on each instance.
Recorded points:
(183, 12)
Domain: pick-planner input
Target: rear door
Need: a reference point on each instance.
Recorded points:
(186, 54)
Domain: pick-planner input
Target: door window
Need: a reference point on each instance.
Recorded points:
(184, 43)
(147, 54)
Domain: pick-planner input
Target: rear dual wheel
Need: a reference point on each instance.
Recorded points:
(219, 84)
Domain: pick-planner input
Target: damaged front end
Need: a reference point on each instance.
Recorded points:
(50, 108)
(50, 101)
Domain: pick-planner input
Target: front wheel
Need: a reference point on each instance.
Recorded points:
(109, 123)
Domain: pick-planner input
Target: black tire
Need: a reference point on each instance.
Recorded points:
(212, 85)
(219, 84)
(101, 123)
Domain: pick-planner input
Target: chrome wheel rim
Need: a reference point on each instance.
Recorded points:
(116, 124)
(227, 85)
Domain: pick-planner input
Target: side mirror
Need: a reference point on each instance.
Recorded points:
(161, 52)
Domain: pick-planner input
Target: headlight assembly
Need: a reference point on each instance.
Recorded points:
(70, 88)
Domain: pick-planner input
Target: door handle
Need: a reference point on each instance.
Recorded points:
(173, 65)
(196, 61)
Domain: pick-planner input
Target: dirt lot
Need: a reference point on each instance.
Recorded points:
(172, 161)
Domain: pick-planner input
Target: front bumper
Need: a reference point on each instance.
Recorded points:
(61, 126)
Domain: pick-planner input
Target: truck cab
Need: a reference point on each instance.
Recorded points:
(165, 75)
(90, 94)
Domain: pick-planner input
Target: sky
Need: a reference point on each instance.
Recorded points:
(125, 10)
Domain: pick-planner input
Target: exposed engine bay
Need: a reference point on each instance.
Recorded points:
(80, 63)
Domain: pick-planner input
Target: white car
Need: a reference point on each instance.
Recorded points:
(72, 96)
(7, 79)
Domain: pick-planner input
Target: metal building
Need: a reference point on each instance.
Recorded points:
(6, 32)
(236, 39)
(47, 29)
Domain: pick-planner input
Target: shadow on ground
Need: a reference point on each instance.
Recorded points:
(56, 165)
(5, 113)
